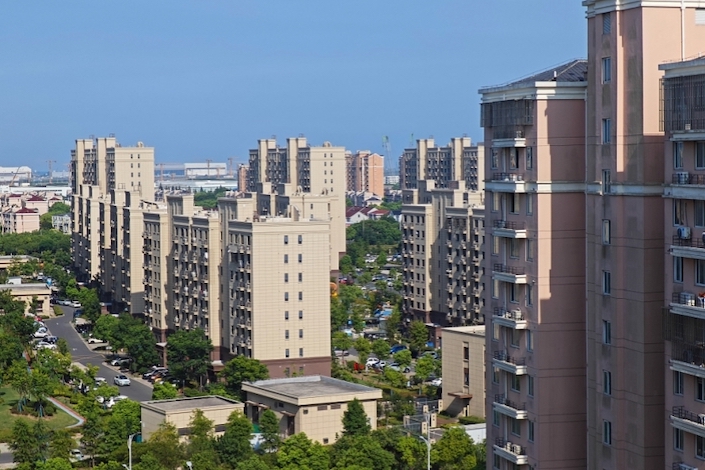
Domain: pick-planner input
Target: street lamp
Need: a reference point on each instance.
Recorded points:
(427, 439)
(189, 464)
(129, 451)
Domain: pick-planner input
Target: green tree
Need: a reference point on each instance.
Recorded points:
(149, 461)
(90, 304)
(105, 328)
(394, 377)
(201, 436)
(60, 444)
(234, 445)
(19, 378)
(140, 345)
(92, 435)
(188, 353)
(338, 314)
(269, 427)
(63, 346)
(403, 358)
(425, 366)
(165, 446)
(363, 347)
(23, 443)
(411, 453)
(242, 369)
(298, 452)
(384, 231)
(346, 264)
(454, 451)
(58, 208)
(360, 451)
(355, 420)
(341, 341)
(55, 463)
(252, 463)
(418, 336)
(123, 421)
(381, 348)
(164, 391)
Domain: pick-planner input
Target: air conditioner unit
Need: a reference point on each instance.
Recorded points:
(684, 233)
(684, 466)
(701, 419)
(682, 177)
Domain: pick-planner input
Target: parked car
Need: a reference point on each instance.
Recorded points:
(380, 365)
(41, 333)
(371, 361)
(44, 345)
(76, 455)
(121, 361)
(340, 352)
(433, 354)
(51, 339)
(92, 340)
(100, 381)
(437, 382)
(113, 400)
(157, 375)
(121, 380)
(75, 304)
(399, 368)
(154, 370)
(396, 348)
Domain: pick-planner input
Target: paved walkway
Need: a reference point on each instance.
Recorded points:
(69, 412)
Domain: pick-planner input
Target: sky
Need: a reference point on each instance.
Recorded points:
(206, 79)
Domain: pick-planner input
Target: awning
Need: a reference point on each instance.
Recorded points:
(287, 413)
(461, 395)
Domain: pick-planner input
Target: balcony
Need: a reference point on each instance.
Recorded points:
(688, 421)
(511, 364)
(511, 274)
(508, 139)
(682, 466)
(688, 304)
(509, 408)
(508, 229)
(512, 452)
(514, 319)
(507, 183)
(685, 245)
(685, 185)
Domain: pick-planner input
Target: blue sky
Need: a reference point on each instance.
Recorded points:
(206, 79)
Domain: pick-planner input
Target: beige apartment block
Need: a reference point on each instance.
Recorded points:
(20, 220)
(158, 278)
(109, 183)
(243, 175)
(304, 170)
(314, 405)
(276, 299)
(535, 266)
(365, 172)
(683, 92)
(463, 356)
(33, 292)
(442, 246)
(457, 161)
(180, 411)
(630, 273)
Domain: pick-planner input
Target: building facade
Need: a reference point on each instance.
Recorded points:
(535, 267)
(463, 356)
(457, 161)
(442, 243)
(365, 172)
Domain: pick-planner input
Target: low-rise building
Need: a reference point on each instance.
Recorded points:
(37, 293)
(62, 223)
(463, 360)
(311, 404)
(179, 412)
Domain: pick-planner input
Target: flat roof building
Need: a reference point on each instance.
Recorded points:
(463, 357)
(27, 293)
(311, 404)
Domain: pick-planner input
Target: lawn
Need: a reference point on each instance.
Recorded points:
(8, 399)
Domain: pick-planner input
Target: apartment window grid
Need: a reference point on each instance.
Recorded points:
(700, 389)
(531, 431)
(529, 158)
(606, 23)
(529, 204)
(677, 269)
(529, 249)
(606, 231)
(677, 155)
(607, 382)
(678, 383)
(606, 283)
(529, 295)
(700, 155)
(529, 340)
(515, 383)
(678, 439)
(606, 181)
(607, 432)
(700, 447)
(606, 332)
(495, 418)
(607, 131)
(679, 208)
(606, 69)
(700, 272)
(699, 207)
(530, 381)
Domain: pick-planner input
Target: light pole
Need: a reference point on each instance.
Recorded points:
(189, 464)
(427, 440)
(129, 451)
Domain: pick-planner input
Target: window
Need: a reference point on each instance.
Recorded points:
(514, 338)
(513, 298)
(606, 181)
(301, 239)
(516, 426)
(606, 332)
(286, 353)
(529, 340)
(529, 204)
(678, 212)
(286, 277)
(513, 248)
(606, 131)
(606, 69)
(496, 460)
(301, 277)
(301, 334)
(495, 418)
(700, 272)
(678, 439)
(606, 23)
(495, 159)
(530, 379)
(699, 213)
(495, 332)
(301, 352)
(495, 289)
(607, 432)
(529, 249)
(514, 203)
(531, 431)
(286, 296)
(286, 258)
(677, 383)
(677, 155)
(301, 258)
(286, 315)
(529, 295)
(286, 334)
(495, 375)
(495, 245)
(700, 155)
(529, 158)
(466, 353)
(286, 239)
(700, 389)
(513, 158)
(607, 382)
(677, 269)
(606, 231)
(516, 383)
(301, 296)
(700, 447)
(606, 283)
(496, 202)
(301, 314)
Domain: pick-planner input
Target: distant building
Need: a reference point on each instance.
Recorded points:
(15, 174)
(365, 172)
(463, 356)
(62, 223)
(28, 293)
(391, 180)
(19, 220)
(242, 177)
(457, 161)
(205, 170)
(313, 404)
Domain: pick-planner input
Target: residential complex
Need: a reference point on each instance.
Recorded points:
(458, 161)
(442, 248)
(463, 356)
(365, 172)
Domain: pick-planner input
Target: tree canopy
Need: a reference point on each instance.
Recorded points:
(188, 353)
(242, 369)
(384, 231)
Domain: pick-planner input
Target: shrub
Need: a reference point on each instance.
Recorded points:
(194, 392)
(58, 311)
(470, 420)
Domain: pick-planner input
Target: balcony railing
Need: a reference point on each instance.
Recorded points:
(503, 400)
(509, 225)
(687, 298)
(504, 357)
(684, 177)
(516, 315)
(507, 177)
(509, 447)
(693, 242)
(681, 413)
(503, 268)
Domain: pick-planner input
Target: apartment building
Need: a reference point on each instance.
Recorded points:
(19, 220)
(302, 170)
(276, 301)
(243, 172)
(442, 245)
(365, 172)
(629, 278)
(459, 160)
(109, 183)
(535, 266)
(463, 356)
(683, 105)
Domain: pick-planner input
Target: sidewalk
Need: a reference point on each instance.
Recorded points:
(5, 450)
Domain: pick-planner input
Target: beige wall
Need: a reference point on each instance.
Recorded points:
(463, 374)
(26, 292)
(152, 418)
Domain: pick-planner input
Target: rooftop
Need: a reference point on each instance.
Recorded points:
(179, 404)
(573, 71)
(310, 386)
(471, 330)
(30, 286)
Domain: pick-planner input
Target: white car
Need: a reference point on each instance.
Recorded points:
(112, 400)
(76, 455)
(95, 341)
(121, 380)
(437, 382)
(75, 304)
(43, 345)
(41, 333)
(100, 381)
(371, 361)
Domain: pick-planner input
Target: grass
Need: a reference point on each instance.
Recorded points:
(8, 400)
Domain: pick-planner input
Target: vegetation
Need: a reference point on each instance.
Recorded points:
(384, 231)
(188, 353)
(242, 369)
(127, 332)
(209, 199)
(58, 208)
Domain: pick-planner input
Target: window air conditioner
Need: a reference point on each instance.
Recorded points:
(684, 233)
(682, 177)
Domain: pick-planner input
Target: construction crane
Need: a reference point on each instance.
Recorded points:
(50, 173)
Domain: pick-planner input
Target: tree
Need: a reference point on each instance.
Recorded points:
(253, 463)
(140, 346)
(90, 304)
(360, 451)
(23, 443)
(55, 463)
(454, 451)
(299, 453)
(394, 377)
(92, 435)
(346, 264)
(105, 328)
(355, 420)
(58, 208)
(269, 427)
(165, 446)
(149, 461)
(188, 353)
(425, 366)
(123, 421)
(363, 347)
(242, 369)
(164, 391)
(338, 314)
(60, 444)
(418, 336)
(234, 444)
(381, 348)
(411, 453)
(341, 341)
(20, 379)
(403, 358)
(201, 437)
